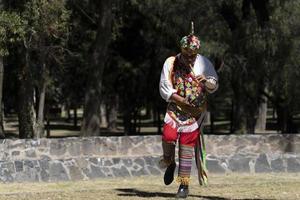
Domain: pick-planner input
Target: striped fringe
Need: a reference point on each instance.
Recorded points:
(183, 180)
(200, 155)
(185, 161)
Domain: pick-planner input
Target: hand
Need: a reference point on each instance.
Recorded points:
(201, 78)
(179, 100)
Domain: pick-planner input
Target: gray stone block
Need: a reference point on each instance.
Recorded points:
(19, 166)
(107, 147)
(7, 169)
(44, 176)
(32, 142)
(82, 163)
(106, 171)
(74, 149)
(30, 175)
(139, 172)
(127, 162)
(88, 147)
(96, 172)
(108, 162)
(14, 144)
(8, 166)
(124, 146)
(29, 163)
(116, 161)
(293, 165)
(213, 166)
(139, 161)
(154, 171)
(57, 148)
(45, 157)
(277, 165)
(75, 173)
(150, 161)
(156, 161)
(135, 140)
(4, 155)
(44, 164)
(239, 163)
(58, 172)
(94, 160)
(120, 172)
(15, 153)
(6, 176)
(262, 164)
(30, 153)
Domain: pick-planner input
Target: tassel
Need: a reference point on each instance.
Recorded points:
(192, 28)
(183, 180)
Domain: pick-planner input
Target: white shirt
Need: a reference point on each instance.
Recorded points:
(202, 66)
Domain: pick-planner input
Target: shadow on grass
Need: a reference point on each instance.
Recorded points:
(144, 194)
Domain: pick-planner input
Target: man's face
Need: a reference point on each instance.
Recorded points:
(188, 56)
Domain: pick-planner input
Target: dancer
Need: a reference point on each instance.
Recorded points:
(186, 80)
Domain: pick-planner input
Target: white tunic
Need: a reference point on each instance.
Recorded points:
(202, 66)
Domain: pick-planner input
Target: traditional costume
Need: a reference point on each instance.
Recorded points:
(183, 123)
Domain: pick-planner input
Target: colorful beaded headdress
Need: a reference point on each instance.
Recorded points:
(190, 41)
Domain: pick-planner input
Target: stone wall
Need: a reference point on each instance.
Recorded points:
(98, 157)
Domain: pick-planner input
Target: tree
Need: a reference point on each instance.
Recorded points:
(11, 30)
(284, 71)
(98, 51)
(246, 57)
(47, 31)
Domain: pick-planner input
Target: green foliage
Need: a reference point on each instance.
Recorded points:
(12, 29)
(47, 34)
(284, 65)
(261, 54)
(47, 22)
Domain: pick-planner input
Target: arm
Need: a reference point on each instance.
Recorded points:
(166, 89)
(179, 100)
(211, 82)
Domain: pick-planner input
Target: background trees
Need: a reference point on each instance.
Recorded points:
(105, 57)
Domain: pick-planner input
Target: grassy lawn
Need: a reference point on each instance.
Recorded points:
(221, 187)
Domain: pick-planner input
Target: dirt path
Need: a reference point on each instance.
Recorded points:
(221, 187)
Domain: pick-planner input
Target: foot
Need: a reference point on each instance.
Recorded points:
(183, 191)
(169, 174)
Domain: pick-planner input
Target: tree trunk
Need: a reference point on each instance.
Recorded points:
(127, 122)
(103, 115)
(239, 122)
(26, 112)
(112, 112)
(2, 134)
(47, 114)
(158, 121)
(262, 115)
(212, 122)
(40, 120)
(284, 119)
(68, 112)
(75, 116)
(91, 121)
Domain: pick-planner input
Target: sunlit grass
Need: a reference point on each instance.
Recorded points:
(221, 187)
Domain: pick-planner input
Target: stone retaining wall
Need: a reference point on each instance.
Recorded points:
(98, 157)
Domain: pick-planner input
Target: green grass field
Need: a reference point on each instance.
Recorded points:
(221, 187)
